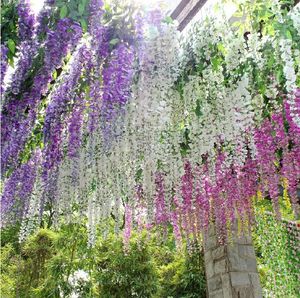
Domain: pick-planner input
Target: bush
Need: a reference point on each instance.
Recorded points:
(121, 275)
(9, 270)
(59, 264)
(184, 277)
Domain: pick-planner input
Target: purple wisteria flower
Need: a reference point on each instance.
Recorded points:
(95, 106)
(18, 116)
(44, 16)
(4, 63)
(100, 47)
(187, 186)
(117, 79)
(19, 186)
(50, 189)
(65, 37)
(31, 30)
(27, 52)
(75, 128)
(26, 20)
(139, 27)
(155, 17)
(10, 189)
(57, 109)
(266, 152)
(28, 47)
(100, 40)
(291, 158)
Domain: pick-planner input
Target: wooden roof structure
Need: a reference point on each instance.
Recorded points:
(185, 11)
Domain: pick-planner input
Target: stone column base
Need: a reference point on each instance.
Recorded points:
(231, 269)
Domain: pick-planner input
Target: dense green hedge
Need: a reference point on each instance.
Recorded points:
(278, 265)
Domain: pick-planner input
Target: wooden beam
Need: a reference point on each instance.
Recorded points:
(185, 11)
(179, 8)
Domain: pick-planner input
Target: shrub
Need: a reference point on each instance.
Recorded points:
(121, 275)
(183, 277)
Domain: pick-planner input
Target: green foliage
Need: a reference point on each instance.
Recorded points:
(9, 28)
(9, 269)
(9, 235)
(125, 275)
(278, 268)
(11, 45)
(43, 266)
(184, 277)
(22, 272)
(74, 9)
(35, 253)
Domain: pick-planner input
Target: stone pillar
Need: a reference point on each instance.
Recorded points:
(231, 269)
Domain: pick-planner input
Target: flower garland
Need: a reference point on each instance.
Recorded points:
(165, 131)
(18, 118)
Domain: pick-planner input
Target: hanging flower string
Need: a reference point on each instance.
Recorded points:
(182, 131)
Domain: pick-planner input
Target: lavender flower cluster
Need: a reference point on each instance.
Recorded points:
(19, 116)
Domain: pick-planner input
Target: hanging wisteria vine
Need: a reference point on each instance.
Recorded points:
(164, 128)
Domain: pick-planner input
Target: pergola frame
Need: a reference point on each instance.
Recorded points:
(186, 11)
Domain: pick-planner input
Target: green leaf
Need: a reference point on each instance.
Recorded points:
(198, 110)
(238, 14)
(107, 7)
(11, 25)
(11, 62)
(63, 12)
(54, 76)
(11, 45)
(271, 30)
(279, 75)
(288, 34)
(168, 20)
(138, 174)
(221, 48)
(83, 25)
(59, 3)
(216, 61)
(262, 87)
(114, 41)
(271, 61)
(236, 24)
(81, 8)
(73, 14)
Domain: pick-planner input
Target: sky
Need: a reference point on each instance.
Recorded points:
(36, 5)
